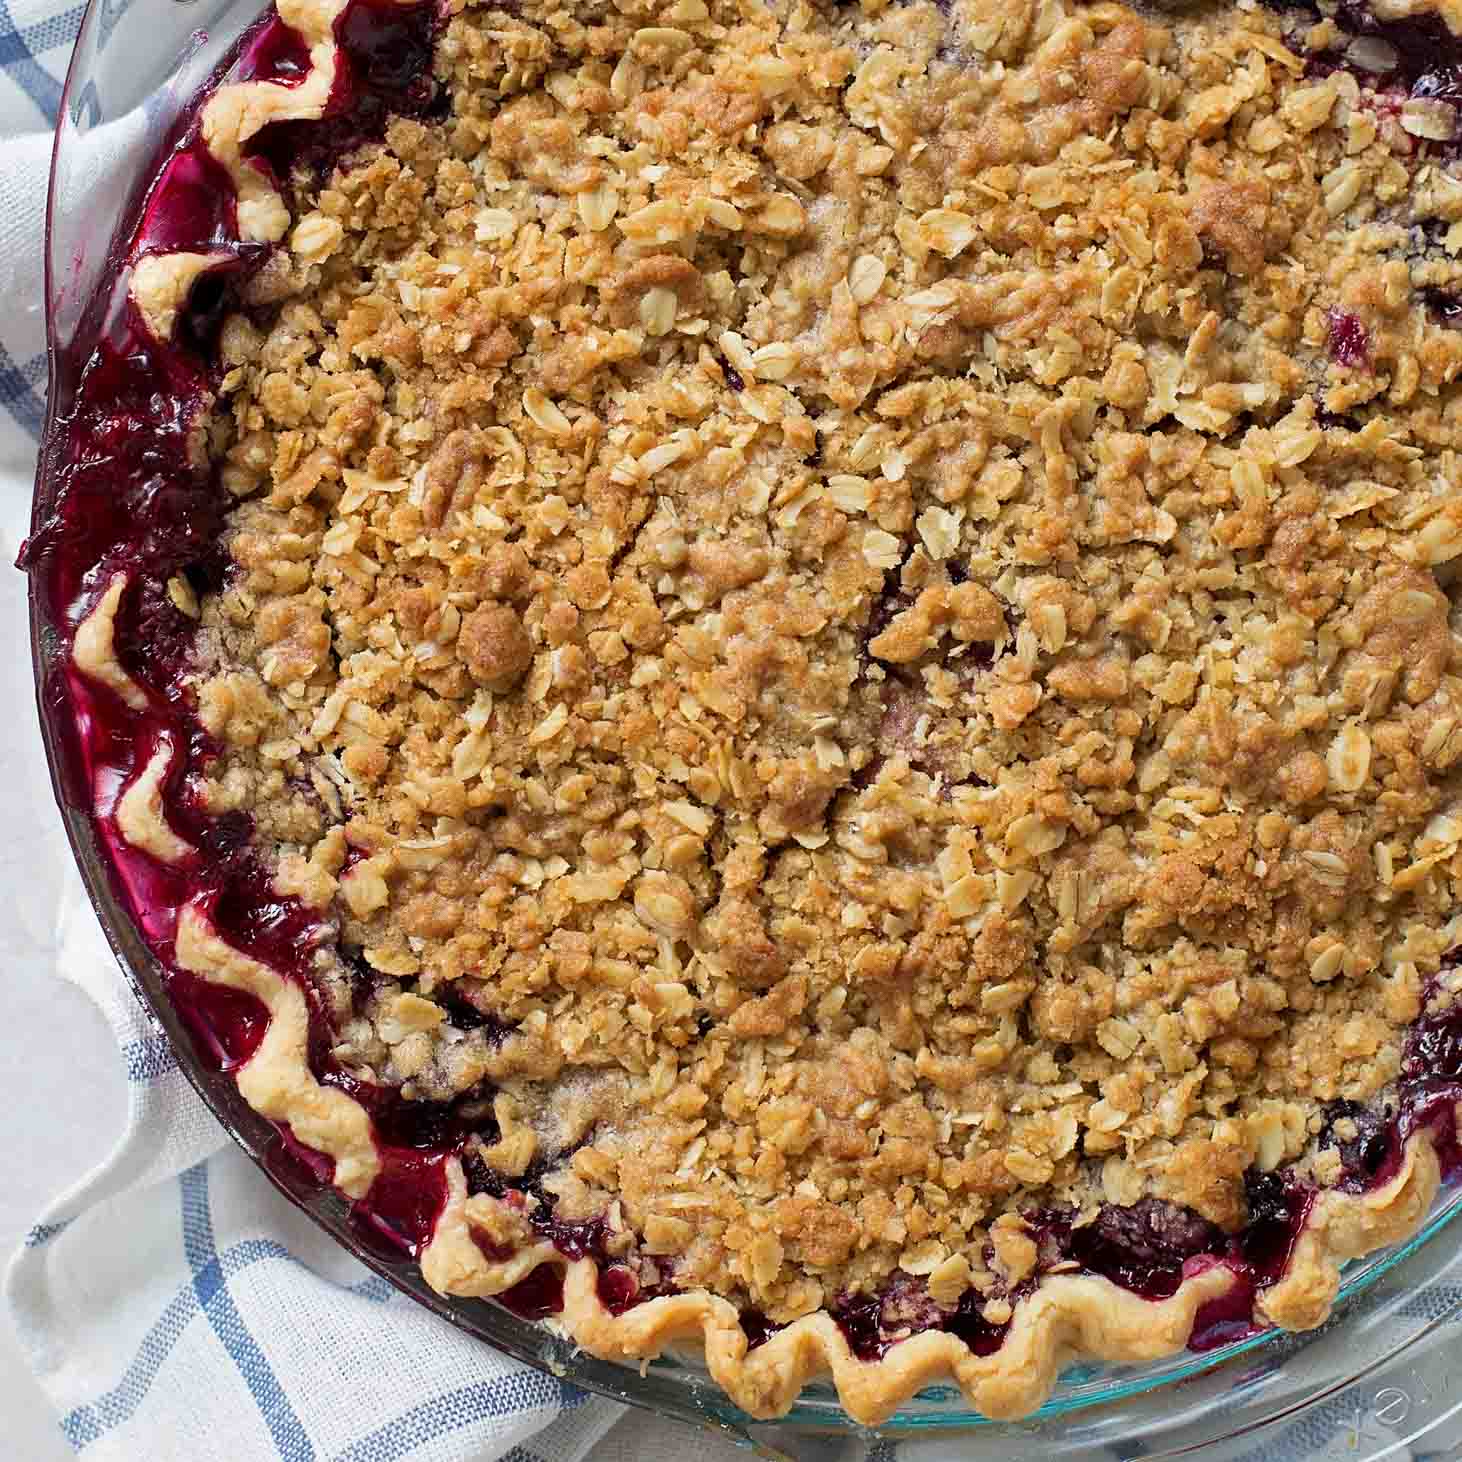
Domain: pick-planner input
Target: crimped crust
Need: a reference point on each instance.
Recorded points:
(141, 818)
(161, 283)
(237, 113)
(1068, 1317)
(1344, 1226)
(846, 619)
(276, 1080)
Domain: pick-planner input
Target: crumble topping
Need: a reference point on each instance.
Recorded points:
(850, 608)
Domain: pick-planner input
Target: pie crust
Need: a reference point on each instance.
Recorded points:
(838, 641)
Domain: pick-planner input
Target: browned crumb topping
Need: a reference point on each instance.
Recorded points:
(790, 554)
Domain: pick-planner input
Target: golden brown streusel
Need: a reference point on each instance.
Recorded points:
(816, 563)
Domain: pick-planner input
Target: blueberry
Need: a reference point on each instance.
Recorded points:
(1364, 1141)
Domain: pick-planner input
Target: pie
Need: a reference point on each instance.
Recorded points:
(784, 676)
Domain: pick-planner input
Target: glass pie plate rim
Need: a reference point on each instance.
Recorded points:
(1181, 1400)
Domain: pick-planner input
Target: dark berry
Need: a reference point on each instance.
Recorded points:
(1433, 1049)
(1363, 1138)
(1349, 342)
(1276, 1208)
(857, 1316)
(969, 1324)
(1143, 1247)
(758, 1328)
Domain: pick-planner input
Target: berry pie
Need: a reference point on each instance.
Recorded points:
(782, 675)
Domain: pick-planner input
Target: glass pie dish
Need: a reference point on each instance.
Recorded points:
(126, 89)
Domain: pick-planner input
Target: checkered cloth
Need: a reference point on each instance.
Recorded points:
(173, 1306)
(35, 42)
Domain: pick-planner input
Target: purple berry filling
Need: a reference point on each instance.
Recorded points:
(537, 1296)
(467, 1017)
(620, 1289)
(1365, 1142)
(968, 1323)
(191, 205)
(1428, 60)
(423, 1126)
(874, 1322)
(585, 1238)
(1277, 1206)
(383, 69)
(1143, 1248)
(132, 498)
(758, 1328)
(1431, 1078)
(1433, 1049)
(1349, 342)
(400, 1212)
(274, 52)
(1418, 55)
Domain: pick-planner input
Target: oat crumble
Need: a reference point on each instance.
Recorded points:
(850, 608)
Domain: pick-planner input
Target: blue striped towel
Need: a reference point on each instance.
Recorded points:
(176, 1309)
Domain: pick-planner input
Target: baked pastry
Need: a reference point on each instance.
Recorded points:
(784, 676)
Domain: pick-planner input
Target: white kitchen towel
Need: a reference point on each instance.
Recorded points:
(174, 1307)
